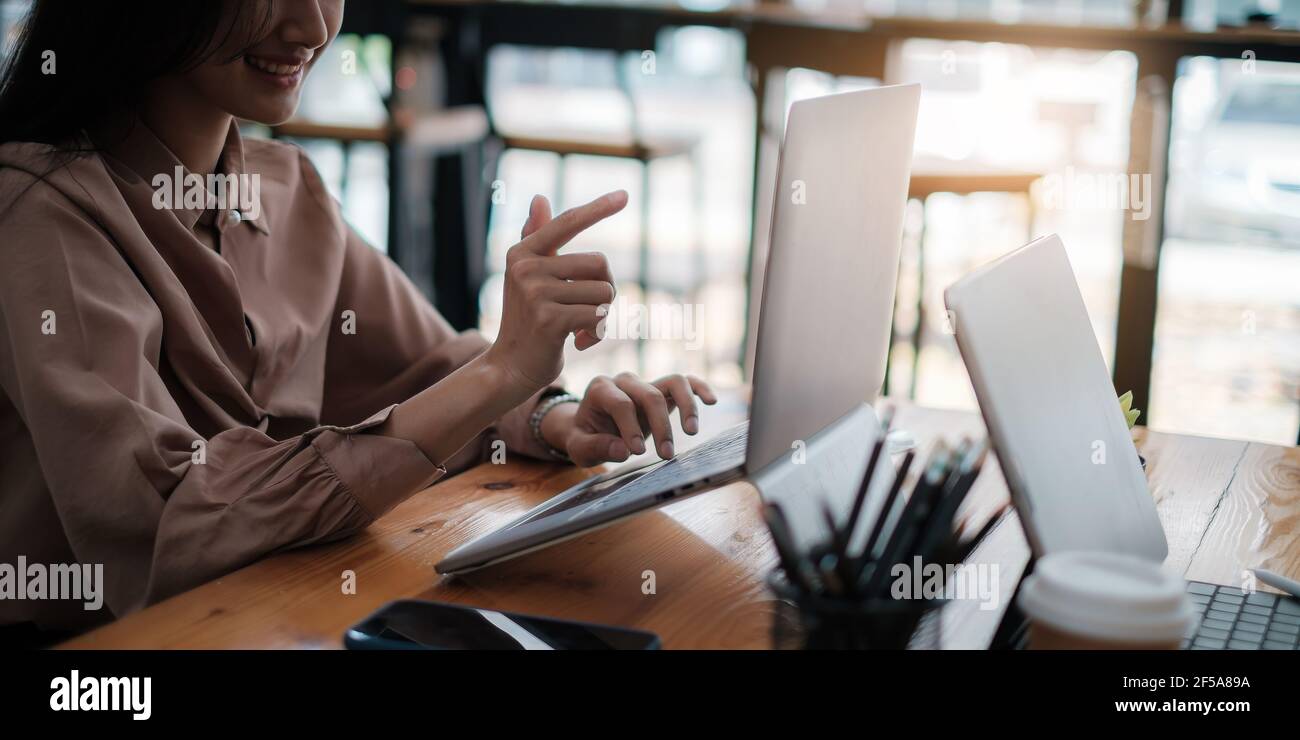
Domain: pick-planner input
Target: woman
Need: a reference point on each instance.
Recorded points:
(190, 385)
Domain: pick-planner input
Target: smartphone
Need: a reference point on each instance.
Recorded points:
(429, 625)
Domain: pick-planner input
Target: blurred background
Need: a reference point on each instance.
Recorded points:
(435, 122)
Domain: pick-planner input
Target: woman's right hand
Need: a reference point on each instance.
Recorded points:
(549, 296)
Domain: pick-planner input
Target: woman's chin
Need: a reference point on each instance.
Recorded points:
(269, 113)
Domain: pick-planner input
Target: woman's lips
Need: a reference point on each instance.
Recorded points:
(282, 74)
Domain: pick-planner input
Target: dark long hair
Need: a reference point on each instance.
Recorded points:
(105, 52)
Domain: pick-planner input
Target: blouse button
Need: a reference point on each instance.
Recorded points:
(232, 218)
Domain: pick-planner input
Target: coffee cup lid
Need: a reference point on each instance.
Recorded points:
(1107, 596)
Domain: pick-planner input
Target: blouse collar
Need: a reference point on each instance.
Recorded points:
(141, 151)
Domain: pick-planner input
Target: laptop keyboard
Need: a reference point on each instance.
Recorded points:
(1235, 620)
(721, 454)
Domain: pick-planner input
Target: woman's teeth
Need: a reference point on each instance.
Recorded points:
(271, 67)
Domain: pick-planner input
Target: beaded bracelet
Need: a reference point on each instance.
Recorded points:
(535, 422)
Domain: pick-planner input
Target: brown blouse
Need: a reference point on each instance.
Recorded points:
(174, 412)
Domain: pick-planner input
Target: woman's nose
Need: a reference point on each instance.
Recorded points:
(304, 24)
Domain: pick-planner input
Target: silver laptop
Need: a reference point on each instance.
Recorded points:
(823, 334)
(1051, 409)
(1062, 442)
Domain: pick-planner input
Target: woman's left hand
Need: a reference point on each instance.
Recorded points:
(616, 414)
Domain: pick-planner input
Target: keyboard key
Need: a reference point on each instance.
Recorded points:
(1286, 618)
(1253, 618)
(1256, 609)
(1250, 627)
(1218, 624)
(1228, 599)
(1282, 637)
(1196, 587)
(1262, 598)
(1277, 645)
(1242, 645)
(1213, 633)
(1219, 611)
(1255, 637)
(1288, 606)
(1290, 629)
(1231, 591)
(1209, 643)
(1199, 599)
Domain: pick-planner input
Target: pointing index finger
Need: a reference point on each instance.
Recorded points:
(563, 228)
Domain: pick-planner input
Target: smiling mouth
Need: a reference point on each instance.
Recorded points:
(273, 68)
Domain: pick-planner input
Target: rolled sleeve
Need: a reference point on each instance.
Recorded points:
(378, 471)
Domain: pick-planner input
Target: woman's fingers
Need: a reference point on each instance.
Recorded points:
(653, 407)
(585, 292)
(632, 406)
(610, 400)
(534, 323)
(586, 339)
(679, 390)
(577, 266)
(548, 239)
(594, 448)
(702, 389)
(571, 319)
(539, 214)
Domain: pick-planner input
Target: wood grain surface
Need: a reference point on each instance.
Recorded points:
(1226, 506)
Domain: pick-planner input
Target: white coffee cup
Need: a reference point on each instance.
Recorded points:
(1100, 600)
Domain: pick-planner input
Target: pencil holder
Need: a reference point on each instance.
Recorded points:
(806, 621)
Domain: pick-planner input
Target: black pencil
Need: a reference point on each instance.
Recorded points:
(795, 565)
(917, 504)
(938, 526)
(865, 486)
(837, 543)
(969, 546)
(883, 516)
(891, 498)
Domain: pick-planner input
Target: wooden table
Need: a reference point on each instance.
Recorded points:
(1226, 506)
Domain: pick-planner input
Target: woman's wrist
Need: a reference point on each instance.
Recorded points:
(503, 378)
(443, 417)
(556, 425)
